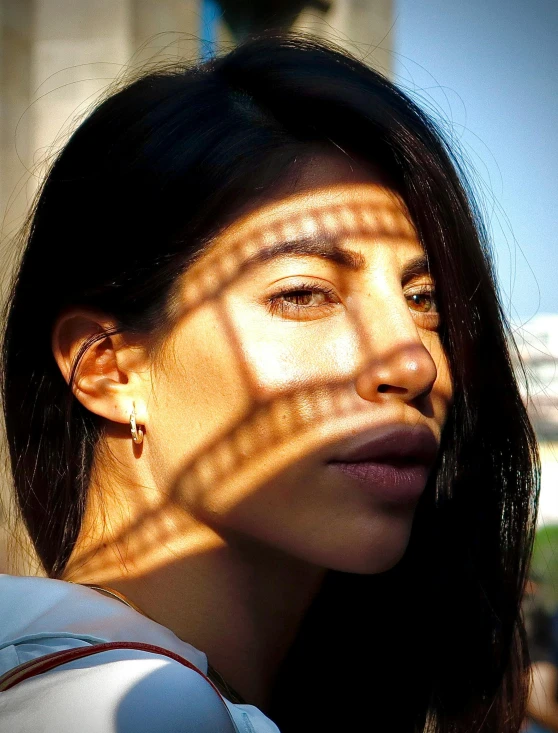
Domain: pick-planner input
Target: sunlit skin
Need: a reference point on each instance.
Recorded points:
(222, 523)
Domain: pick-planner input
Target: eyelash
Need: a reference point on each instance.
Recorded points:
(277, 304)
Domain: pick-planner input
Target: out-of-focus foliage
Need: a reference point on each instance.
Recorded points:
(544, 565)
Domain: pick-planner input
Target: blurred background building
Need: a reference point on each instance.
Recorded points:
(537, 343)
(57, 56)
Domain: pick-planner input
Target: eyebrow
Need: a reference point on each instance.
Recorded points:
(324, 247)
(329, 249)
(415, 268)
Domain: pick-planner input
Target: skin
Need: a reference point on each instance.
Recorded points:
(542, 705)
(222, 523)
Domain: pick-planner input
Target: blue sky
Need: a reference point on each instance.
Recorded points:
(489, 68)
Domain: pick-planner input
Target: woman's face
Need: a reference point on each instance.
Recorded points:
(303, 390)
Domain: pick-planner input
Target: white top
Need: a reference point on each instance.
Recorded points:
(118, 691)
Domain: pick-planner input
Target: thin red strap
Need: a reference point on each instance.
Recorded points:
(51, 661)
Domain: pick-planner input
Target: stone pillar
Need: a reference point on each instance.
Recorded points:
(165, 30)
(15, 70)
(15, 80)
(362, 27)
(79, 47)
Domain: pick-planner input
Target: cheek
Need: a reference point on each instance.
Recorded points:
(282, 355)
(202, 391)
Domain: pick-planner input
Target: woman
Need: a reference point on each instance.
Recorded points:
(257, 388)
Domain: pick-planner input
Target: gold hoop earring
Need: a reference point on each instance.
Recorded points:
(137, 433)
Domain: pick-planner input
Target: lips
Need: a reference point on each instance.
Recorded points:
(394, 464)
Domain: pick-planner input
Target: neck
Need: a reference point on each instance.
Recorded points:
(239, 603)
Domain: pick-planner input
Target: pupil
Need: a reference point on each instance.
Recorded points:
(301, 297)
(422, 301)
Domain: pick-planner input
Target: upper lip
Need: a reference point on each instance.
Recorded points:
(399, 443)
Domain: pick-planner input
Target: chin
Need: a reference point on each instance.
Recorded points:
(374, 551)
(378, 561)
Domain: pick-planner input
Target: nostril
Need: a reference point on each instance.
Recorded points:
(391, 388)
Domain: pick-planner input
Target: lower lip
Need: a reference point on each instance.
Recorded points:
(395, 483)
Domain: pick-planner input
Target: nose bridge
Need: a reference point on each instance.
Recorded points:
(394, 359)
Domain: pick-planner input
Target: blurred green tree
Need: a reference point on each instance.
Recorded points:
(544, 565)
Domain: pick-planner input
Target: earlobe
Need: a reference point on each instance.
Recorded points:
(93, 359)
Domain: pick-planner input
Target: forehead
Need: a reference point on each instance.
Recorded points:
(333, 213)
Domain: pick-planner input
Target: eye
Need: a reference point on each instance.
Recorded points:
(302, 301)
(423, 302)
(424, 307)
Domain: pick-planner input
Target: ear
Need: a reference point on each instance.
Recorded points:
(111, 376)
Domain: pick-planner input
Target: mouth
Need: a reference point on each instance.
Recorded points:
(393, 464)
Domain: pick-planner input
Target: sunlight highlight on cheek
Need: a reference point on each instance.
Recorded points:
(295, 359)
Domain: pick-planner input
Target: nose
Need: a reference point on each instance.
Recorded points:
(396, 363)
